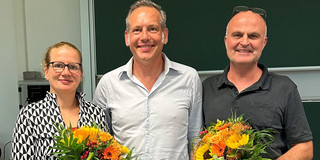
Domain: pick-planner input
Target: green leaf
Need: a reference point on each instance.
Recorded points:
(128, 157)
(90, 156)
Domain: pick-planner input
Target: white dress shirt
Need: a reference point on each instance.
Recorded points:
(159, 124)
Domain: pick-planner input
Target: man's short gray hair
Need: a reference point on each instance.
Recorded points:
(147, 3)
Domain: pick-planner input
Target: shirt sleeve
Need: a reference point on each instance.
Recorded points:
(23, 139)
(296, 124)
(196, 115)
(100, 99)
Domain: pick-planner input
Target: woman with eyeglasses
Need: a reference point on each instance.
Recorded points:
(35, 126)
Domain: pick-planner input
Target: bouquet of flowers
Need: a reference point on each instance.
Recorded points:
(232, 139)
(88, 143)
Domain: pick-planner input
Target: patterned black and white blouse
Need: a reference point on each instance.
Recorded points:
(34, 129)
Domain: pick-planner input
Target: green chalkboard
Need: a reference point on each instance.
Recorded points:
(312, 110)
(197, 29)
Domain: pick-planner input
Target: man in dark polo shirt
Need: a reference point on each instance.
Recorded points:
(246, 87)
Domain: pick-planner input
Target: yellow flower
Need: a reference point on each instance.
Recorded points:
(124, 149)
(244, 140)
(218, 124)
(199, 155)
(99, 141)
(83, 132)
(235, 141)
(230, 138)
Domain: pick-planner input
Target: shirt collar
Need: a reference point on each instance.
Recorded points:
(264, 82)
(169, 66)
(53, 97)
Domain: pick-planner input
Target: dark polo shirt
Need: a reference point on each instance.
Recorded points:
(272, 102)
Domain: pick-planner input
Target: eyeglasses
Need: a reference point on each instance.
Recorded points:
(259, 11)
(60, 66)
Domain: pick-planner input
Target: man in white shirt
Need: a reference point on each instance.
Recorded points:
(154, 104)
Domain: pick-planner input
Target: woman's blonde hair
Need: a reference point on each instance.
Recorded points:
(46, 59)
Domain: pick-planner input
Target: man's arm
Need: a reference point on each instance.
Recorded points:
(300, 151)
(195, 115)
(297, 129)
(100, 99)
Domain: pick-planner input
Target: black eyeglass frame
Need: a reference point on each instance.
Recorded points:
(260, 11)
(65, 66)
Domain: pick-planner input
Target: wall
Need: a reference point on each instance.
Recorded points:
(48, 22)
(27, 28)
(8, 70)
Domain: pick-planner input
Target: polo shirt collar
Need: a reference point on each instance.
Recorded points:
(223, 80)
(266, 78)
(264, 82)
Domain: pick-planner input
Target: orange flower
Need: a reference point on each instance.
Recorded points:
(217, 138)
(111, 153)
(104, 136)
(115, 144)
(223, 127)
(229, 139)
(208, 137)
(224, 134)
(237, 128)
(218, 148)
